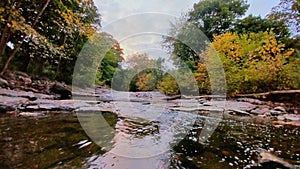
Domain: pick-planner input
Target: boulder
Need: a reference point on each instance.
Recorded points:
(63, 90)
(3, 82)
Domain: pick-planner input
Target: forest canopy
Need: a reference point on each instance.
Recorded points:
(258, 54)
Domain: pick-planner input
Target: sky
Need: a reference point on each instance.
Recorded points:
(139, 25)
(116, 9)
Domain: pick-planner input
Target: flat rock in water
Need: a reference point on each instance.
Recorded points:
(250, 100)
(13, 93)
(64, 105)
(94, 109)
(31, 114)
(291, 117)
(261, 110)
(276, 113)
(243, 106)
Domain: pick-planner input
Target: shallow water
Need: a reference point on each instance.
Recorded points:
(57, 140)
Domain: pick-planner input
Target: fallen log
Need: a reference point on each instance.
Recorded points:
(288, 96)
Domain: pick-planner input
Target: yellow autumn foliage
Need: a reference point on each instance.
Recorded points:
(254, 62)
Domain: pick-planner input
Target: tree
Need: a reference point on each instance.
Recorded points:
(254, 62)
(9, 24)
(257, 24)
(288, 11)
(109, 65)
(55, 40)
(217, 16)
(190, 35)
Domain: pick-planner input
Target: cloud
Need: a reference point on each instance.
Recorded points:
(139, 25)
(116, 9)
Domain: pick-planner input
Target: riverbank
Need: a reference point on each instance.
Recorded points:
(23, 95)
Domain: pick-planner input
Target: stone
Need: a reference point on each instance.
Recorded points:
(26, 80)
(281, 118)
(207, 104)
(260, 110)
(239, 112)
(63, 90)
(11, 103)
(13, 93)
(292, 117)
(55, 105)
(31, 114)
(250, 100)
(281, 109)
(275, 112)
(3, 82)
(268, 160)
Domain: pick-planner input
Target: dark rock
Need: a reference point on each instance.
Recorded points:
(3, 82)
(281, 109)
(172, 97)
(62, 90)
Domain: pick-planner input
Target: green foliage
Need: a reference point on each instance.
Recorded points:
(109, 65)
(257, 24)
(217, 16)
(190, 36)
(168, 85)
(55, 37)
(288, 11)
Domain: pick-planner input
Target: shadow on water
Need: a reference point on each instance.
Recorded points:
(58, 141)
(45, 142)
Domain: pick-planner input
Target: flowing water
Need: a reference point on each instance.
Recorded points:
(139, 140)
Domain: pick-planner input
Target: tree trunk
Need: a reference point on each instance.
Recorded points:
(20, 44)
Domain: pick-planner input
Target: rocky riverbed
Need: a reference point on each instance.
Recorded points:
(23, 95)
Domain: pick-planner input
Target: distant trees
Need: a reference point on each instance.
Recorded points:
(217, 16)
(288, 11)
(258, 24)
(258, 54)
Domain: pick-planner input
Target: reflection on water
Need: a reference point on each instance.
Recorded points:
(58, 141)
